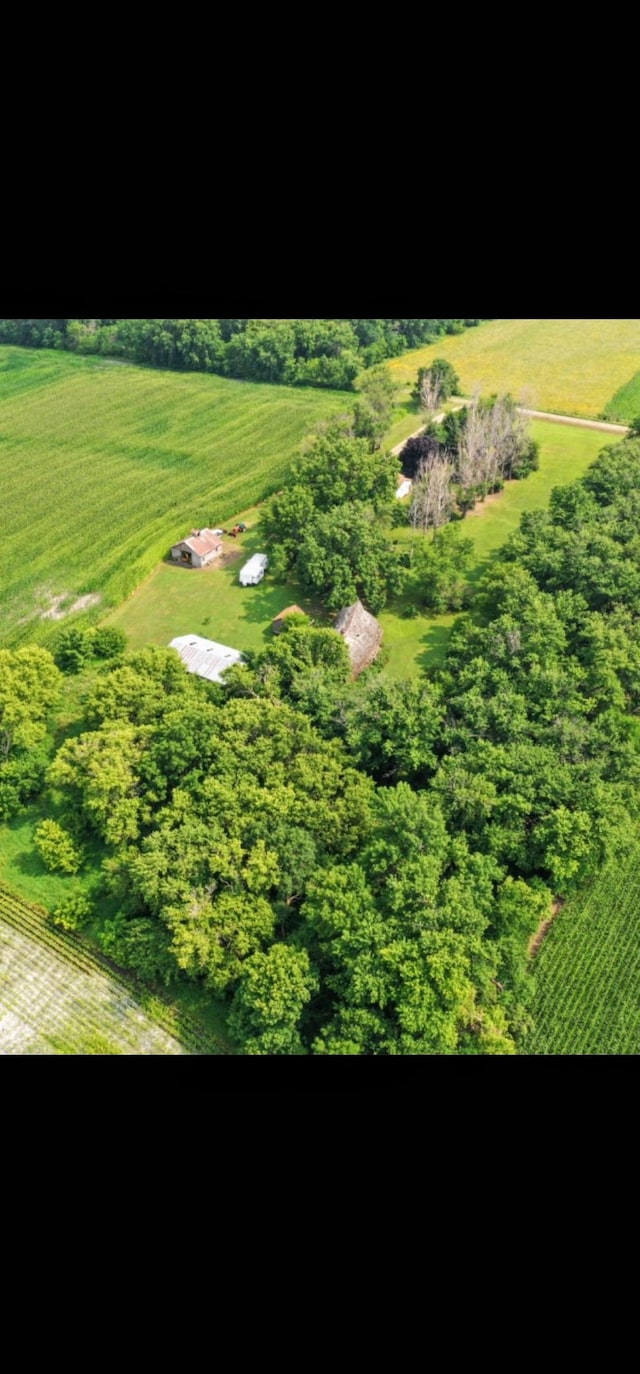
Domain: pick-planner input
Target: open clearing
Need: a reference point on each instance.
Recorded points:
(588, 971)
(102, 468)
(210, 601)
(573, 367)
(176, 601)
(565, 454)
(57, 998)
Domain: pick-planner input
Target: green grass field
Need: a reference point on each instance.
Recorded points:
(210, 601)
(625, 405)
(103, 466)
(571, 367)
(588, 972)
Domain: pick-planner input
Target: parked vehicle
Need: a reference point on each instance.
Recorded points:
(254, 571)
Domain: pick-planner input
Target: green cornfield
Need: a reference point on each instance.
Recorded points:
(103, 466)
(588, 971)
(625, 405)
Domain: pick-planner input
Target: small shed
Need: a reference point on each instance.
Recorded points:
(199, 549)
(404, 488)
(278, 624)
(362, 634)
(254, 571)
(204, 656)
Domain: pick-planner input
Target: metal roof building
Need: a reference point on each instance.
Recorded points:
(201, 548)
(204, 656)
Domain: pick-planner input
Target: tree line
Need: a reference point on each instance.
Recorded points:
(357, 868)
(318, 353)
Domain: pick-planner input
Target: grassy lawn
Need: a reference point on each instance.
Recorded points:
(572, 367)
(625, 405)
(102, 468)
(407, 419)
(210, 601)
(176, 601)
(22, 869)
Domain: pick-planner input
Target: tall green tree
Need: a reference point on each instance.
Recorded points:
(266, 1010)
(29, 685)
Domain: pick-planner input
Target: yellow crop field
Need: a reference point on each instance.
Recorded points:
(572, 367)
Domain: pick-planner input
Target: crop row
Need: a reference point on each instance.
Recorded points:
(65, 949)
(57, 999)
(588, 972)
(625, 405)
(111, 466)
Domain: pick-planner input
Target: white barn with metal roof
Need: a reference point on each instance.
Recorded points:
(199, 550)
(205, 657)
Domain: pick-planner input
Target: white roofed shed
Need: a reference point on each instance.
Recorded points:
(204, 656)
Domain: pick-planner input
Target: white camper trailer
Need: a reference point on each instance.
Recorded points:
(254, 571)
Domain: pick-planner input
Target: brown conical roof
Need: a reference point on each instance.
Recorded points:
(362, 634)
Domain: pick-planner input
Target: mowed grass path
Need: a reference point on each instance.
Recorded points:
(103, 466)
(570, 367)
(588, 971)
(565, 454)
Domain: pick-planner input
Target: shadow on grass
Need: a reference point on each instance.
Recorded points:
(263, 603)
(406, 407)
(436, 644)
(479, 569)
(28, 861)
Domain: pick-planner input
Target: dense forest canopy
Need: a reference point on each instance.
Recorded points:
(321, 353)
(358, 867)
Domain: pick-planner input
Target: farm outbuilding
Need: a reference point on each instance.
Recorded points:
(362, 634)
(404, 488)
(204, 656)
(254, 571)
(278, 623)
(199, 549)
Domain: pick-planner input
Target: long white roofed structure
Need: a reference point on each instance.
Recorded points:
(204, 656)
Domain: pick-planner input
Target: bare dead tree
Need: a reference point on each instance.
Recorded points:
(471, 446)
(493, 439)
(432, 496)
(422, 500)
(442, 495)
(509, 434)
(430, 391)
